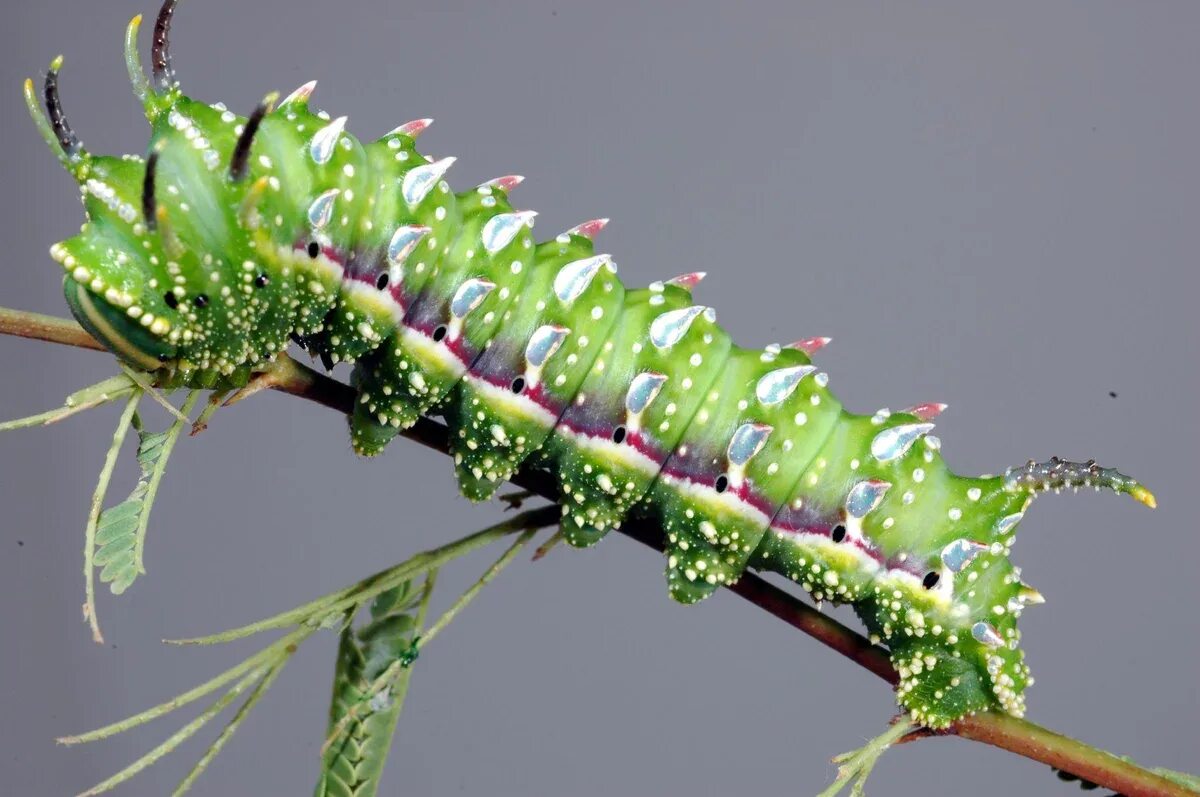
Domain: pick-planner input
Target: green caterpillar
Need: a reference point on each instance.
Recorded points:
(199, 262)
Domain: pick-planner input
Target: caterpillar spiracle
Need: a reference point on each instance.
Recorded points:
(231, 236)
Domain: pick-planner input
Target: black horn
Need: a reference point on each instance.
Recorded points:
(149, 204)
(160, 52)
(58, 119)
(240, 161)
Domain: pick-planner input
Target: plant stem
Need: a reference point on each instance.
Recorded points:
(88, 398)
(229, 730)
(1070, 755)
(261, 659)
(160, 467)
(474, 589)
(46, 327)
(1018, 736)
(856, 765)
(89, 542)
(363, 591)
(180, 736)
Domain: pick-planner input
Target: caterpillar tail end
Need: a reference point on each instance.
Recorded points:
(1145, 496)
(1058, 474)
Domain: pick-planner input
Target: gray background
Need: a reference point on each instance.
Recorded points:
(992, 205)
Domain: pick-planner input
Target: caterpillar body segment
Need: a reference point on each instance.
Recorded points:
(754, 436)
(512, 397)
(647, 382)
(457, 312)
(201, 259)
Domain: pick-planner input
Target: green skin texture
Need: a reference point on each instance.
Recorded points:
(243, 245)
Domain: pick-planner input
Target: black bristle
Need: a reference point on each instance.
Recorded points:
(149, 203)
(240, 161)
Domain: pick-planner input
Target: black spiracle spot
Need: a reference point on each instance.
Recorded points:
(314, 249)
(439, 334)
(518, 385)
(619, 435)
(381, 282)
(171, 299)
(201, 300)
(931, 579)
(262, 281)
(722, 483)
(839, 533)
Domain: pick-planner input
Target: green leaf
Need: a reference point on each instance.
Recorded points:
(400, 598)
(121, 529)
(353, 763)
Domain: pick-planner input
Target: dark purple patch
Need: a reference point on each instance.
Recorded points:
(804, 521)
(536, 393)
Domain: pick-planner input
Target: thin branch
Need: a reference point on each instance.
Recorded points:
(46, 327)
(93, 521)
(179, 737)
(1000, 730)
(335, 603)
(264, 659)
(230, 729)
(1070, 755)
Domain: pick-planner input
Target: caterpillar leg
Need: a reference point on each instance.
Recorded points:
(368, 436)
(856, 765)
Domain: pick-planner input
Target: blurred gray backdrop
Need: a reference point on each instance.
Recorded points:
(993, 205)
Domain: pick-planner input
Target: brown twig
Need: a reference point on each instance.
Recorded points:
(46, 327)
(1000, 730)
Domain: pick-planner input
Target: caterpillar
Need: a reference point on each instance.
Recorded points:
(233, 237)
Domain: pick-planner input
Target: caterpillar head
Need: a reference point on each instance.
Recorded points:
(154, 270)
(109, 285)
(205, 258)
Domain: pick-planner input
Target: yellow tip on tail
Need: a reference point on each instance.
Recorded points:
(1145, 496)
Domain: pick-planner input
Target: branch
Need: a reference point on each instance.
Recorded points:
(46, 327)
(1000, 730)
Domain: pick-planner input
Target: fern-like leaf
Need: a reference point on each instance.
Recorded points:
(121, 531)
(353, 764)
